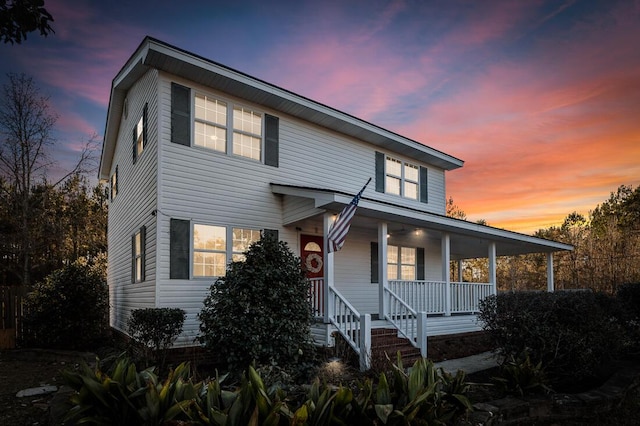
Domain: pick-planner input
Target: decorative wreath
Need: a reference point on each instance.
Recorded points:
(310, 265)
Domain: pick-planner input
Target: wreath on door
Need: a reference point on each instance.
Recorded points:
(313, 262)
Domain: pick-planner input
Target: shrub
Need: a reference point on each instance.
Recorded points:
(520, 377)
(123, 395)
(572, 334)
(69, 309)
(259, 311)
(156, 329)
(628, 295)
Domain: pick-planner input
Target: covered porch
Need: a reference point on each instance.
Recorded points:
(432, 300)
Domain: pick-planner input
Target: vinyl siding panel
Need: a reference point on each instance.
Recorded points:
(455, 324)
(215, 188)
(133, 206)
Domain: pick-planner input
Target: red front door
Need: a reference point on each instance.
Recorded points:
(311, 254)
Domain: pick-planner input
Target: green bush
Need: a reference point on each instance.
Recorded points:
(156, 329)
(628, 295)
(69, 309)
(520, 377)
(573, 334)
(260, 312)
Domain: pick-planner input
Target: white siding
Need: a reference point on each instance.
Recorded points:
(455, 324)
(214, 188)
(132, 207)
(297, 208)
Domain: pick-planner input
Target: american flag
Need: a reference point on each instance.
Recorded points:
(338, 232)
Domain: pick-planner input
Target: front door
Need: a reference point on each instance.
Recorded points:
(313, 261)
(311, 254)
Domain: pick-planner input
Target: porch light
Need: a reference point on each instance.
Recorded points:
(418, 231)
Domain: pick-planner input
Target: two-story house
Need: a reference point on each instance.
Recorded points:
(202, 159)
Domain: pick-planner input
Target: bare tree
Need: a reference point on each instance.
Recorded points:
(26, 136)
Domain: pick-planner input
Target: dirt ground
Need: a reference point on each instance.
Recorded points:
(20, 370)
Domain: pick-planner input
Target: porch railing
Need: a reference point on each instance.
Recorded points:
(355, 328)
(431, 296)
(316, 296)
(465, 297)
(410, 324)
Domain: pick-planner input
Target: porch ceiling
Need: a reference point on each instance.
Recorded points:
(468, 239)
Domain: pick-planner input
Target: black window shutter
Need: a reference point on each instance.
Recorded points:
(271, 140)
(117, 180)
(420, 263)
(424, 198)
(144, 125)
(380, 171)
(135, 144)
(143, 252)
(270, 232)
(179, 249)
(374, 263)
(133, 258)
(180, 114)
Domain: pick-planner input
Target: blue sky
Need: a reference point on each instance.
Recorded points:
(540, 98)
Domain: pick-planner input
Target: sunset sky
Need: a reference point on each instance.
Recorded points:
(541, 99)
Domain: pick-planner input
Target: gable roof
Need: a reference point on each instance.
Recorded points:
(156, 54)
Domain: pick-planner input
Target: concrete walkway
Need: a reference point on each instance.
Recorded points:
(470, 364)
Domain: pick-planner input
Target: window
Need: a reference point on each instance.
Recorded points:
(401, 263)
(138, 243)
(222, 126)
(209, 250)
(140, 135)
(210, 123)
(401, 178)
(247, 133)
(242, 239)
(114, 184)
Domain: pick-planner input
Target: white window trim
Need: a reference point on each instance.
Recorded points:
(228, 246)
(231, 104)
(403, 178)
(400, 264)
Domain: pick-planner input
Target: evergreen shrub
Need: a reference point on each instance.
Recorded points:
(573, 334)
(156, 329)
(69, 309)
(259, 311)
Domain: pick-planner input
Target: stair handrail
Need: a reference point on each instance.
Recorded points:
(343, 310)
(410, 328)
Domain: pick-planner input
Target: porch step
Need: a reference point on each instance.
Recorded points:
(387, 340)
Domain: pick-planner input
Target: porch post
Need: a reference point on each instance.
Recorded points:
(446, 259)
(382, 269)
(550, 280)
(328, 270)
(492, 268)
(460, 270)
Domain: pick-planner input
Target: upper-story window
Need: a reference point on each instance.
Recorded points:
(401, 178)
(247, 133)
(140, 135)
(219, 125)
(212, 121)
(114, 183)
